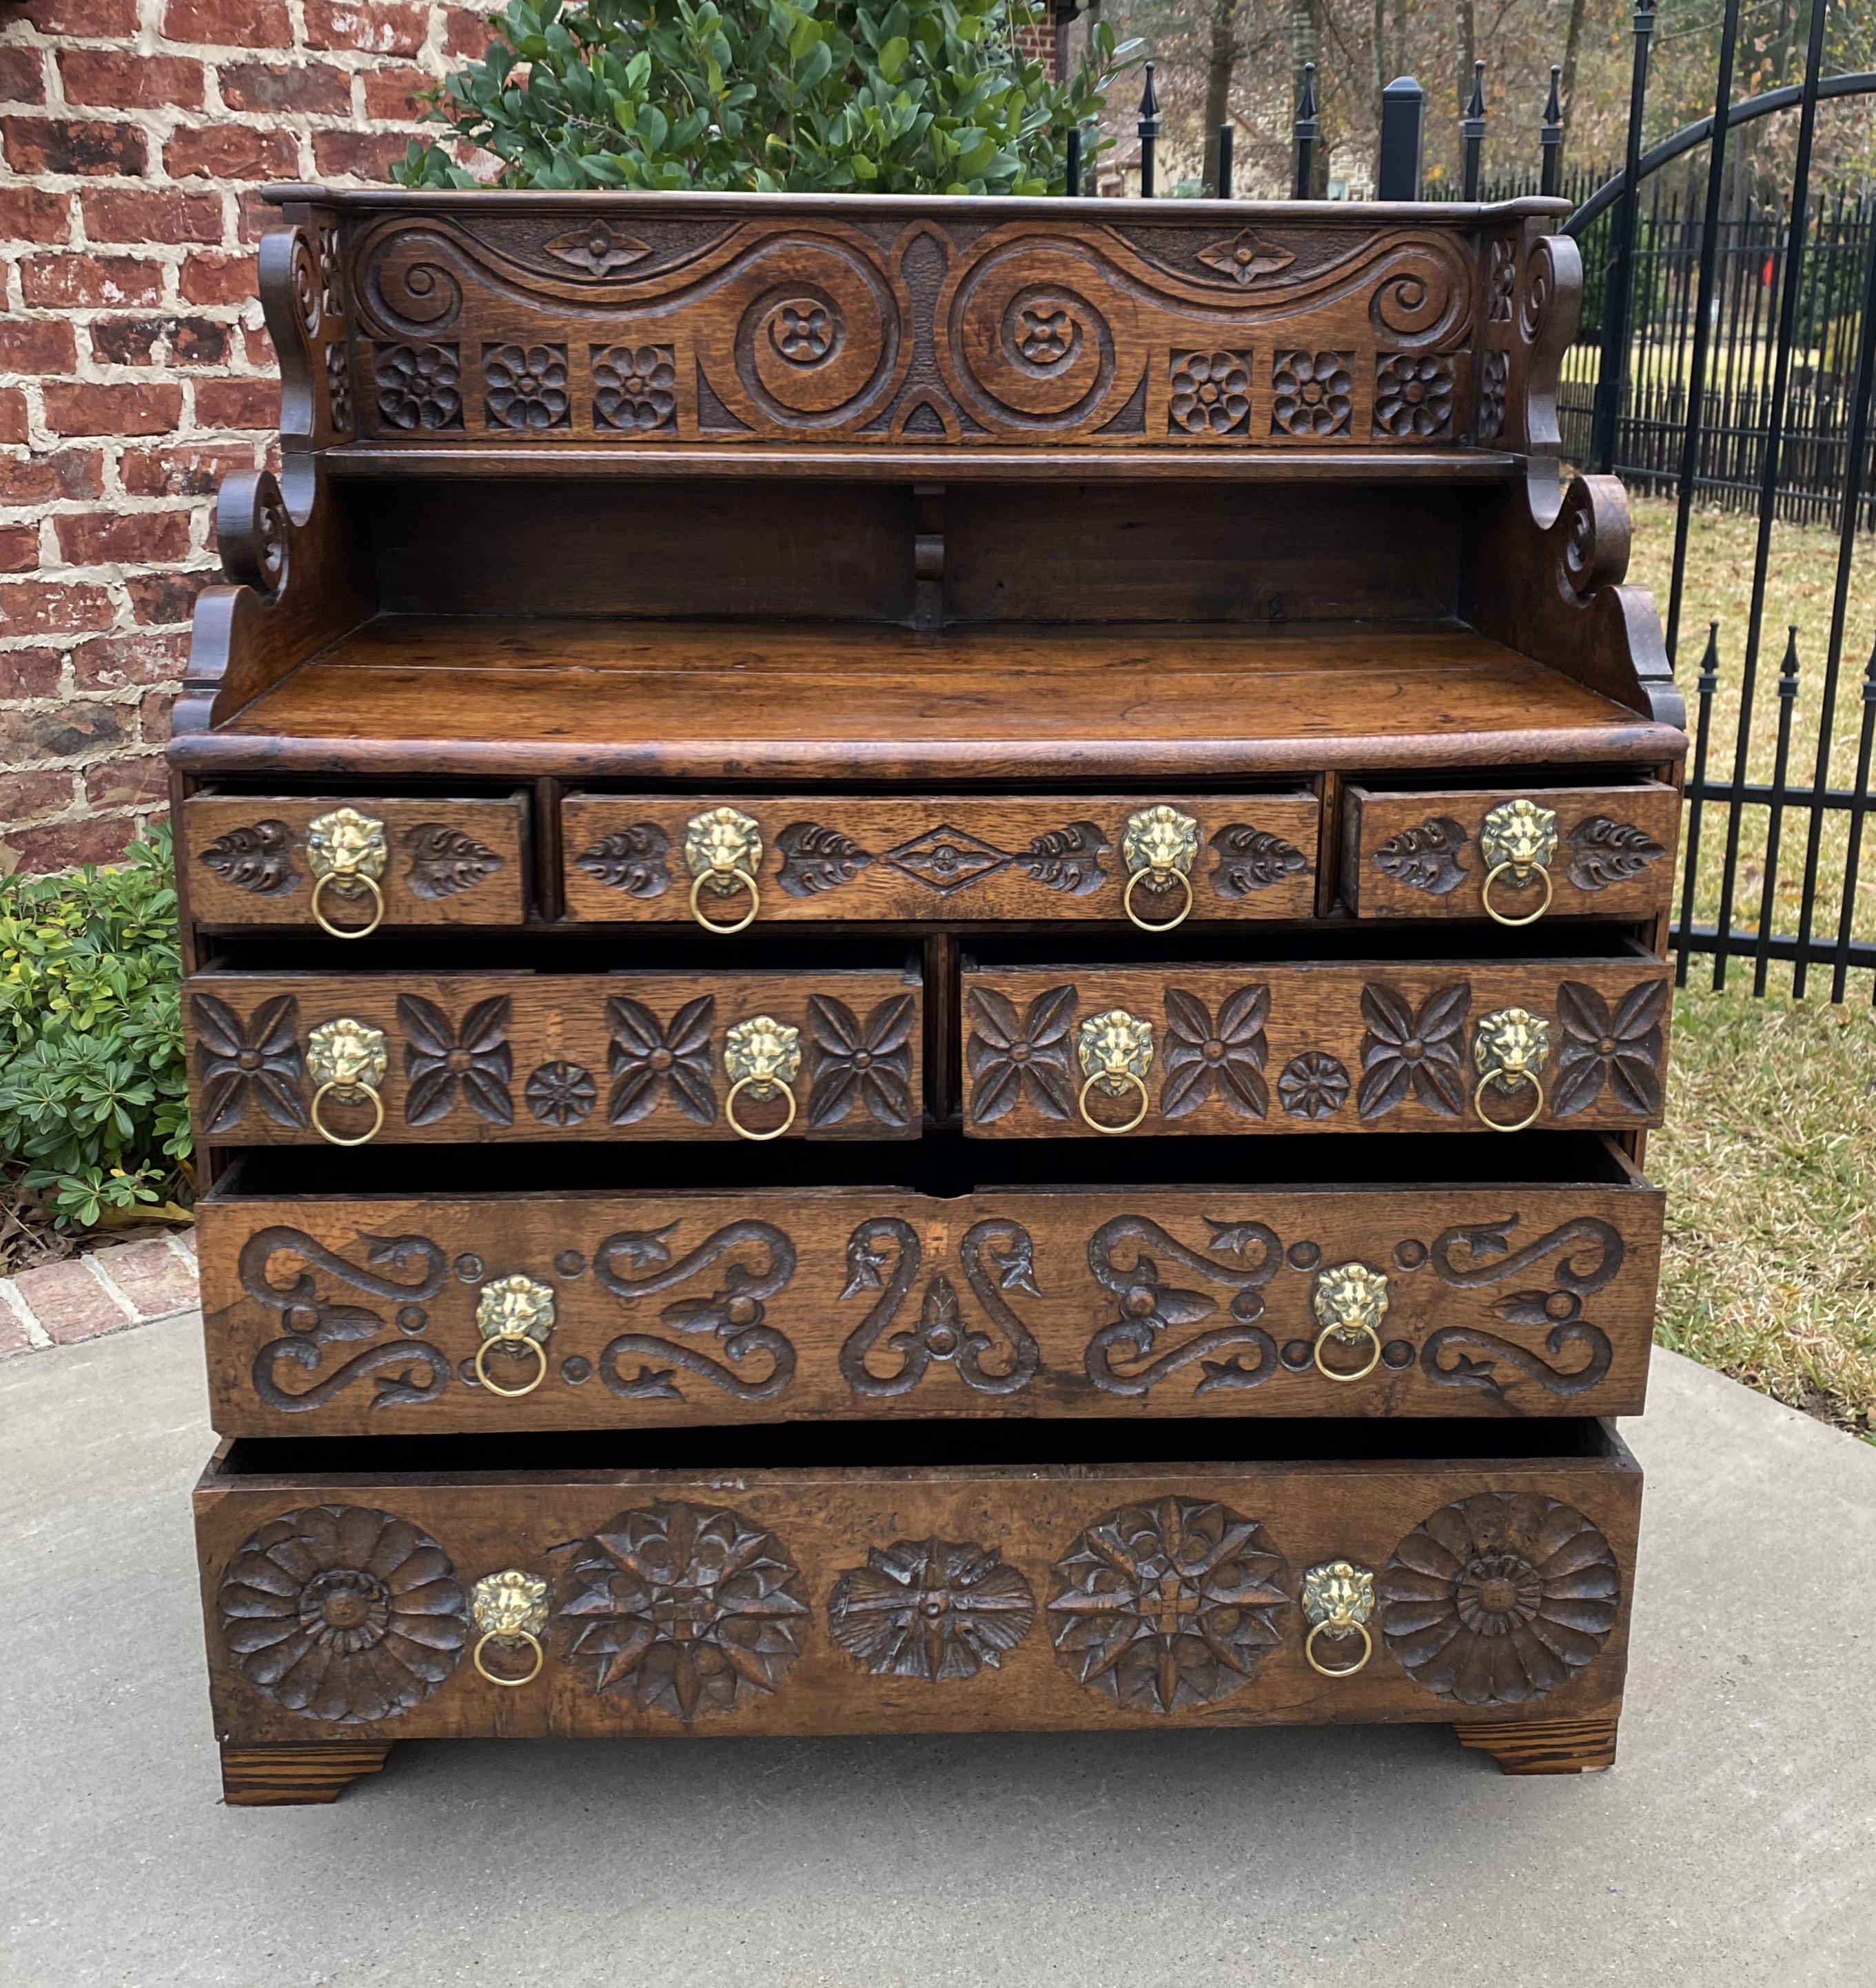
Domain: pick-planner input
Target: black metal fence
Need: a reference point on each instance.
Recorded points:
(1726, 359)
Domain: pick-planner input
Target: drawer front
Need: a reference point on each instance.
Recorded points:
(327, 1316)
(351, 867)
(723, 1601)
(1516, 855)
(958, 857)
(293, 1059)
(1346, 1047)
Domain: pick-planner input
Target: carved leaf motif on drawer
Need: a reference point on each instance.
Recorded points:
(445, 861)
(258, 859)
(1134, 1259)
(1609, 852)
(1226, 1061)
(439, 1061)
(631, 860)
(930, 1608)
(1252, 858)
(262, 1059)
(1623, 1050)
(1406, 1052)
(1067, 859)
(1164, 1606)
(870, 1061)
(1425, 857)
(816, 858)
(1015, 1059)
(646, 1054)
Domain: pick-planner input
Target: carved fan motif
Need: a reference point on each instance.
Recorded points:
(1252, 858)
(631, 860)
(343, 1614)
(1408, 1051)
(676, 1608)
(439, 1061)
(260, 859)
(1498, 1600)
(263, 1059)
(1425, 857)
(1226, 1061)
(1609, 852)
(871, 1062)
(1025, 1059)
(930, 1608)
(1170, 1605)
(443, 861)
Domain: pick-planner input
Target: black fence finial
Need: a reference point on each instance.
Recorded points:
(1472, 131)
(1550, 135)
(1150, 134)
(1306, 127)
(1404, 105)
(1226, 133)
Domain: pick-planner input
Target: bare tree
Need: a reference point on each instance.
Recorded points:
(1573, 46)
(1219, 65)
(1469, 38)
(1306, 47)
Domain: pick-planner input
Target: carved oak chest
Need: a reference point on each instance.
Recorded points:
(925, 977)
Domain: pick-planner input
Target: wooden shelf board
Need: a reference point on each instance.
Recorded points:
(729, 702)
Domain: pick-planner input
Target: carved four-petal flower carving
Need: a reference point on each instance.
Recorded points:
(1407, 1051)
(871, 1061)
(262, 1060)
(645, 1054)
(676, 1608)
(1622, 1050)
(1168, 1605)
(930, 1608)
(439, 1061)
(1226, 1061)
(1023, 1059)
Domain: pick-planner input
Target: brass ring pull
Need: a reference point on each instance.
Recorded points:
(523, 1636)
(348, 877)
(767, 1085)
(512, 1342)
(1123, 1077)
(1329, 1373)
(716, 878)
(349, 1095)
(1337, 1626)
(1497, 1125)
(1159, 879)
(1503, 869)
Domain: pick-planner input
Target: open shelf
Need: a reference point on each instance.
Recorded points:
(729, 702)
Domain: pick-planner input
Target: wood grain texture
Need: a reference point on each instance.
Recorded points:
(294, 1774)
(449, 861)
(1373, 1046)
(653, 1576)
(1546, 1745)
(330, 1316)
(855, 859)
(1614, 858)
(506, 1057)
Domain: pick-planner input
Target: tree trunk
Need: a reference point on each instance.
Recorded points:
(1572, 41)
(1469, 38)
(1218, 69)
(1306, 46)
(1377, 48)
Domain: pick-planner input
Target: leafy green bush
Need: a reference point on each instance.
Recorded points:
(768, 96)
(93, 1111)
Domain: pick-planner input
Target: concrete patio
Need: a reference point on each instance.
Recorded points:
(1735, 1845)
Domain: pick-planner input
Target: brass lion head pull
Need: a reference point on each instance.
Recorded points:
(1350, 1302)
(1338, 1597)
(510, 1609)
(514, 1316)
(1518, 841)
(1507, 1052)
(1116, 1052)
(1158, 847)
(761, 1057)
(722, 850)
(347, 853)
(346, 1062)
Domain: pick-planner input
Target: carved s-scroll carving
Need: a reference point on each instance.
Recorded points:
(1126, 1255)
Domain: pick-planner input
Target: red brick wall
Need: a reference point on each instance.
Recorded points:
(133, 369)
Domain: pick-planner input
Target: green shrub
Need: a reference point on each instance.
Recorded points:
(93, 1110)
(768, 96)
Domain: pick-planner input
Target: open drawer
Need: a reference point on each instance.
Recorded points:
(923, 1578)
(351, 867)
(290, 1058)
(730, 863)
(1516, 1279)
(1513, 853)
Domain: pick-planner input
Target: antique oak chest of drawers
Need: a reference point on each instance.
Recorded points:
(925, 952)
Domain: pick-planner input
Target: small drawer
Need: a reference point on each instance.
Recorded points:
(290, 1058)
(543, 1306)
(790, 859)
(350, 867)
(1037, 1578)
(1328, 1047)
(1513, 854)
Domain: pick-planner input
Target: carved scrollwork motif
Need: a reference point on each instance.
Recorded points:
(1027, 346)
(258, 859)
(1539, 288)
(635, 1264)
(996, 1256)
(631, 860)
(817, 348)
(683, 1608)
(1498, 1600)
(419, 386)
(343, 1614)
(1126, 1256)
(445, 861)
(1414, 396)
(440, 1061)
(1425, 857)
(407, 1372)
(261, 1058)
(309, 290)
(932, 1608)
(1166, 1606)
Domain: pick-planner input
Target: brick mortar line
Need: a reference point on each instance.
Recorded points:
(42, 1341)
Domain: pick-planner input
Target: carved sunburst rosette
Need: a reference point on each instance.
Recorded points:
(930, 1608)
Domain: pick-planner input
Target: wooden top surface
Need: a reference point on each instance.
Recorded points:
(729, 701)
